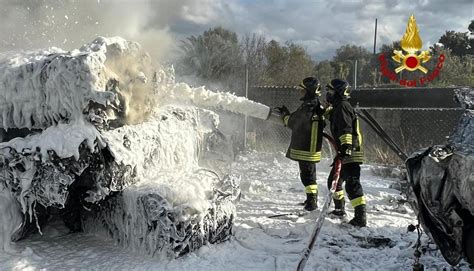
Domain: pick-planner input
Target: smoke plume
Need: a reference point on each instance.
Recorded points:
(68, 24)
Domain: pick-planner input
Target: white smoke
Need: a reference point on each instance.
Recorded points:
(68, 24)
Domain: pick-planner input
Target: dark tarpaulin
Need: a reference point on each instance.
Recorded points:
(442, 187)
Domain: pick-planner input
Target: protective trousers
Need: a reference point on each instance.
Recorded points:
(308, 176)
(350, 174)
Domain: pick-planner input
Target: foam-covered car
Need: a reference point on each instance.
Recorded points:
(86, 136)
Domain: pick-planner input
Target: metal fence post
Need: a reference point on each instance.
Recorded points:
(246, 96)
(355, 74)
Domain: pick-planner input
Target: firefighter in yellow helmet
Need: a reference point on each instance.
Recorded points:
(345, 129)
(306, 125)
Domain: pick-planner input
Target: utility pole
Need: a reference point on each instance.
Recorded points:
(246, 96)
(375, 36)
(375, 48)
(355, 75)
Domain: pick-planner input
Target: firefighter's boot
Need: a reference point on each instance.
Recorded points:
(311, 202)
(360, 217)
(339, 208)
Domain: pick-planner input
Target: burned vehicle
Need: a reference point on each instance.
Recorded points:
(442, 187)
(87, 136)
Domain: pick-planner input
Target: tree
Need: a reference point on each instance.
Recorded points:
(216, 56)
(286, 64)
(375, 74)
(456, 71)
(344, 61)
(457, 42)
(213, 56)
(276, 56)
(253, 53)
(350, 52)
(300, 64)
(324, 71)
(388, 49)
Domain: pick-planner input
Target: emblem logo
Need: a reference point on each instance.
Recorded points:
(411, 43)
(410, 58)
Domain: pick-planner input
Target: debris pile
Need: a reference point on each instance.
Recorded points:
(442, 187)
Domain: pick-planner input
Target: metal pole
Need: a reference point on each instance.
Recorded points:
(246, 96)
(375, 36)
(375, 47)
(355, 74)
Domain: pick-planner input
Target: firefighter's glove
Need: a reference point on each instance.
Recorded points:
(283, 110)
(346, 150)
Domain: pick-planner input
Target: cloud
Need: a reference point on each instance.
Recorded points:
(323, 26)
(319, 25)
(70, 23)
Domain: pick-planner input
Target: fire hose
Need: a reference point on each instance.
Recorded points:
(324, 210)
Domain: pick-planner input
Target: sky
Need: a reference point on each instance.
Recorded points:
(321, 26)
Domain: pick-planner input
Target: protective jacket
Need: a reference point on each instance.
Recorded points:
(346, 130)
(306, 124)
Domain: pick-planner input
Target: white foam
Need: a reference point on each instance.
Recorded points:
(260, 243)
(10, 218)
(64, 139)
(41, 88)
(203, 97)
(165, 150)
(44, 89)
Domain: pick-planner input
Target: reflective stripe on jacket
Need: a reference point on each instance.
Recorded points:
(345, 129)
(306, 124)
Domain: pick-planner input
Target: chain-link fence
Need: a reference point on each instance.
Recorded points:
(379, 71)
(411, 128)
(266, 136)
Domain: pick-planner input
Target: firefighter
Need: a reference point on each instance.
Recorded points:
(345, 129)
(306, 125)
